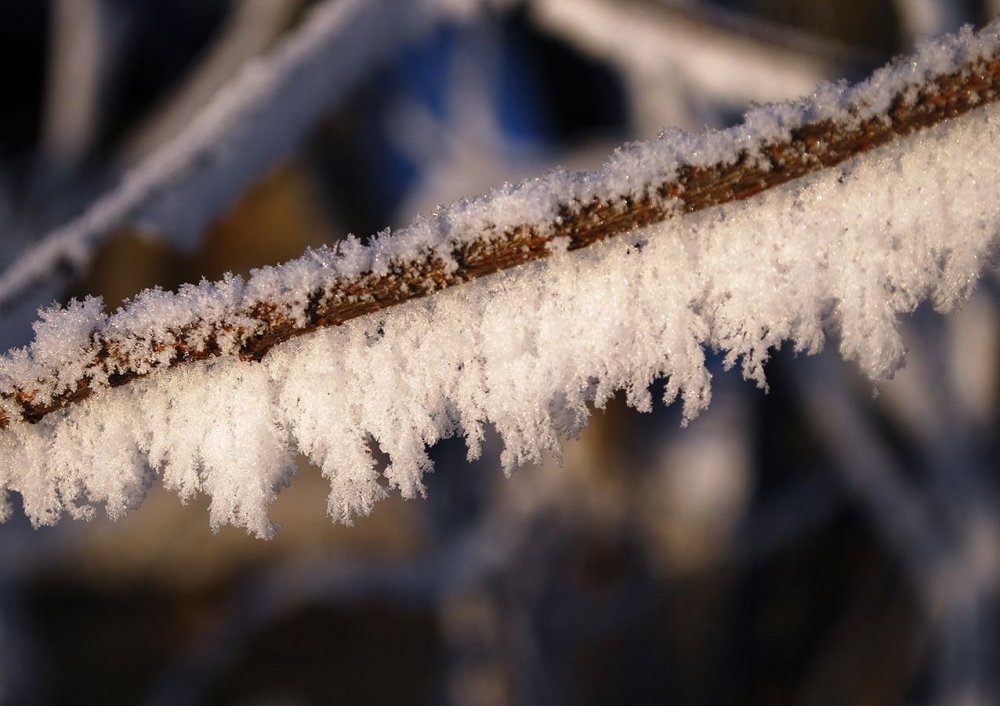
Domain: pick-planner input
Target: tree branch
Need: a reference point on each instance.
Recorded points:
(249, 329)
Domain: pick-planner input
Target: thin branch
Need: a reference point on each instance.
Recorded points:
(397, 269)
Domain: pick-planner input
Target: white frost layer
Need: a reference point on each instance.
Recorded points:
(847, 249)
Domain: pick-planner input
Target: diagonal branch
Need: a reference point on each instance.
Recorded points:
(640, 185)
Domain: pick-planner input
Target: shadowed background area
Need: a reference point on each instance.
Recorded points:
(817, 544)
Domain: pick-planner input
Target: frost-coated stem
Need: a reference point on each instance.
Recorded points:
(841, 252)
(469, 240)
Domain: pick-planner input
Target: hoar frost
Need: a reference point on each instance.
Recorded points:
(845, 250)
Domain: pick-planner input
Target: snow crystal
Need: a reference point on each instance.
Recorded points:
(843, 251)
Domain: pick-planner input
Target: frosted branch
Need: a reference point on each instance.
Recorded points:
(737, 240)
(470, 240)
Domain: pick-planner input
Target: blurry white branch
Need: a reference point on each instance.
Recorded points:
(251, 28)
(934, 525)
(930, 18)
(687, 66)
(253, 120)
(75, 69)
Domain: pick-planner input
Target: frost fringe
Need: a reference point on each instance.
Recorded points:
(79, 350)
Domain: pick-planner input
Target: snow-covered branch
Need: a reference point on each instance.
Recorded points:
(909, 215)
(494, 233)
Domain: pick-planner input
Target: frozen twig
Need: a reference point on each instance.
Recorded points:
(526, 350)
(353, 281)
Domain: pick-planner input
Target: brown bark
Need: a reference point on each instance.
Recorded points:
(811, 147)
